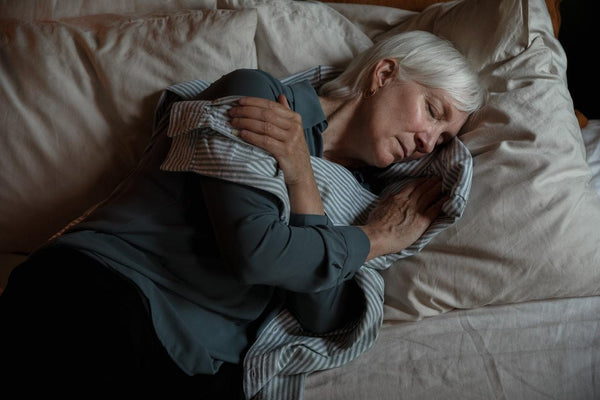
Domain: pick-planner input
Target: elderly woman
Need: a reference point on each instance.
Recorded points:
(175, 273)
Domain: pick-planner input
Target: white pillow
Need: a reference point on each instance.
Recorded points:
(531, 227)
(31, 10)
(77, 99)
(293, 36)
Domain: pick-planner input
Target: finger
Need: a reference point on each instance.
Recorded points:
(409, 189)
(428, 193)
(425, 186)
(265, 142)
(261, 125)
(261, 103)
(435, 209)
(264, 128)
(281, 117)
(283, 101)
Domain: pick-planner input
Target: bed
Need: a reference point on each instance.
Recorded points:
(504, 304)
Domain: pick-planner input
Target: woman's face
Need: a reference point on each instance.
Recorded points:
(403, 121)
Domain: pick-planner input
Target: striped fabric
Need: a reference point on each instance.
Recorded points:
(203, 142)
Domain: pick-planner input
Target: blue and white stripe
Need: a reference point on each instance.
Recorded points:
(203, 142)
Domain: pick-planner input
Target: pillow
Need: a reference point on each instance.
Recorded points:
(31, 10)
(294, 36)
(420, 5)
(530, 229)
(77, 99)
(412, 5)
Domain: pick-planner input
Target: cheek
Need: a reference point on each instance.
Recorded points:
(377, 149)
(382, 154)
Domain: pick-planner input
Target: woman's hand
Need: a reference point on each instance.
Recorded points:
(399, 220)
(274, 127)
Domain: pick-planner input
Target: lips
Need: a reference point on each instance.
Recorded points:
(404, 152)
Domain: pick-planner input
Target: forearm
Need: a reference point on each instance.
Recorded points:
(305, 197)
(308, 255)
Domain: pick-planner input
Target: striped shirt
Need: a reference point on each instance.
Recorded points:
(283, 354)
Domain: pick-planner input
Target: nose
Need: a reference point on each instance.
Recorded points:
(425, 141)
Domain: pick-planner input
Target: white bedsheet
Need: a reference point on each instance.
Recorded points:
(537, 350)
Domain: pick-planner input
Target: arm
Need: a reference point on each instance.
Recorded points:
(259, 248)
(311, 260)
(395, 224)
(329, 309)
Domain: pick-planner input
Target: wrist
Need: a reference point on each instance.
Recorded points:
(375, 248)
(305, 197)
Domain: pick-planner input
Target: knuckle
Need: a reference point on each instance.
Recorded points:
(265, 113)
(267, 127)
(268, 141)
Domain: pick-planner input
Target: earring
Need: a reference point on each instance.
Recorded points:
(369, 93)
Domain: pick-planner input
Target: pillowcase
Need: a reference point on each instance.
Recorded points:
(420, 5)
(293, 36)
(31, 10)
(530, 229)
(412, 5)
(77, 99)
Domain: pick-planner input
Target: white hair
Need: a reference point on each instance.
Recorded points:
(423, 58)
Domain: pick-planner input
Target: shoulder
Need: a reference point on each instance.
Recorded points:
(244, 82)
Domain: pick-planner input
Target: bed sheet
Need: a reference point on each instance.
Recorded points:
(538, 350)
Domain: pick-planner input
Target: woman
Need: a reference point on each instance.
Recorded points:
(176, 272)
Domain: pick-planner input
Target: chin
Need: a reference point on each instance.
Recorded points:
(384, 163)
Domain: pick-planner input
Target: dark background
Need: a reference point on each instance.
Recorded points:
(581, 42)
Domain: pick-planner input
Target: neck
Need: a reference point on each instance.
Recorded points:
(338, 137)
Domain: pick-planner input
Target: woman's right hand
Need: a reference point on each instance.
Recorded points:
(274, 127)
(399, 220)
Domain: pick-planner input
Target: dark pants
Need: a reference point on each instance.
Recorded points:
(64, 318)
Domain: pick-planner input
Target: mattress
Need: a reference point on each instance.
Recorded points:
(546, 349)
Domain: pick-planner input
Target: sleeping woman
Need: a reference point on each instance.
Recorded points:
(173, 275)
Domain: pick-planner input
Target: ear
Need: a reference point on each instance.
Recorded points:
(385, 71)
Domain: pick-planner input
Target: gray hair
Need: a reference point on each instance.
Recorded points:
(423, 58)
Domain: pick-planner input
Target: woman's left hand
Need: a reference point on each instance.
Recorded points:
(274, 127)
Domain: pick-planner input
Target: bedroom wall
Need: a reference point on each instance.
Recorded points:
(576, 35)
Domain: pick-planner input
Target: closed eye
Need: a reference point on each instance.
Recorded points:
(432, 111)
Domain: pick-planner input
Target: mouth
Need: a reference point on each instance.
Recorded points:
(404, 152)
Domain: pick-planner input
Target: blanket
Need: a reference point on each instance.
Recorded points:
(278, 362)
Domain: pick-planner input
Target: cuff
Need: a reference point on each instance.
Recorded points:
(185, 116)
(358, 245)
(309, 219)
